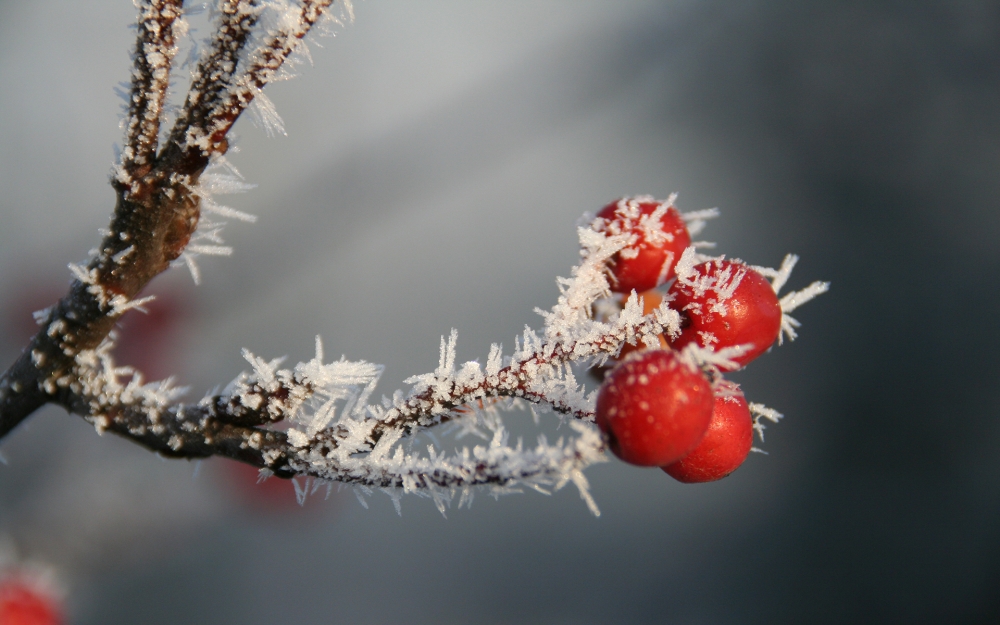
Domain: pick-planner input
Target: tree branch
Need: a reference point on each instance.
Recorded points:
(220, 91)
(155, 48)
(157, 209)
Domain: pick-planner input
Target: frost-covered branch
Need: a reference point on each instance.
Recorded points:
(336, 435)
(155, 48)
(250, 46)
(159, 194)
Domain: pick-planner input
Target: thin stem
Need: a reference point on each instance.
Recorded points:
(156, 212)
(155, 48)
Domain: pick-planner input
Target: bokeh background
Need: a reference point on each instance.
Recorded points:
(437, 157)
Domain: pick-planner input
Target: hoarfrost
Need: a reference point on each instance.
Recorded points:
(792, 301)
(760, 411)
(779, 277)
(697, 220)
(219, 178)
(265, 115)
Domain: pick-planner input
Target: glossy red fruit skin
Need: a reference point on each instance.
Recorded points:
(645, 270)
(751, 315)
(723, 449)
(654, 408)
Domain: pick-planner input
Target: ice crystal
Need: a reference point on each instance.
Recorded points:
(219, 178)
(760, 411)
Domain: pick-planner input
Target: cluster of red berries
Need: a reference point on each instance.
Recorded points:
(655, 407)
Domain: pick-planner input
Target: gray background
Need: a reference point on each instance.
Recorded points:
(437, 157)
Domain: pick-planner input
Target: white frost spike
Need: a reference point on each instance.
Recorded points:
(651, 224)
(120, 257)
(225, 211)
(669, 319)
(796, 298)
(760, 411)
(685, 264)
(695, 220)
(580, 480)
(360, 496)
(494, 361)
(792, 301)
(302, 49)
(446, 362)
(82, 274)
(352, 382)
(214, 182)
(384, 445)
(316, 486)
(440, 500)
(301, 490)
(631, 316)
(319, 348)
(466, 498)
(192, 268)
(42, 315)
(220, 177)
(779, 277)
(395, 495)
(120, 304)
(265, 115)
(784, 272)
(211, 250)
(263, 370)
(768, 413)
(696, 356)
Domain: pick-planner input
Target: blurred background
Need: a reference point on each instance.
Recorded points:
(437, 157)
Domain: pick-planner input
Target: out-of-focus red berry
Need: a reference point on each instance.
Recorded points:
(654, 408)
(726, 303)
(661, 237)
(25, 603)
(147, 340)
(271, 494)
(723, 449)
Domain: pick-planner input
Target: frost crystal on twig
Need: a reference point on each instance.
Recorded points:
(760, 411)
(219, 178)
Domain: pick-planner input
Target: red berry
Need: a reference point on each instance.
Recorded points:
(723, 449)
(654, 408)
(726, 303)
(22, 603)
(660, 241)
